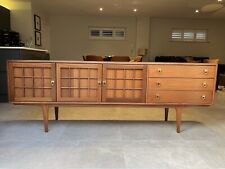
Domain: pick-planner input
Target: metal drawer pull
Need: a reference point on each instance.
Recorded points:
(157, 96)
(205, 71)
(203, 97)
(104, 82)
(52, 82)
(158, 84)
(159, 70)
(99, 82)
(204, 84)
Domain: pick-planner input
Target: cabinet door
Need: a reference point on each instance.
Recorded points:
(31, 82)
(124, 83)
(79, 82)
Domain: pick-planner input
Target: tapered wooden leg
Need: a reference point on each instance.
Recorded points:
(45, 109)
(166, 114)
(56, 113)
(178, 118)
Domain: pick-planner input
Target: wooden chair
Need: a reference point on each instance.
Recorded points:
(211, 61)
(120, 59)
(137, 59)
(93, 58)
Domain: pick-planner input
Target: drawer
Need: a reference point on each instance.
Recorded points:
(181, 97)
(180, 84)
(187, 71)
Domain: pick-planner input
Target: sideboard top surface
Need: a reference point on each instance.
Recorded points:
(112, 63)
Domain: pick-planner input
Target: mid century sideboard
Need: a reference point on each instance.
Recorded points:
(56, 83)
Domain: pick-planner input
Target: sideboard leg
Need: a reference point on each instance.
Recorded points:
(56, 113)
(178, 118)
(45, 109)
(166, 113)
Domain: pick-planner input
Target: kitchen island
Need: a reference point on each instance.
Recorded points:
(20, 53)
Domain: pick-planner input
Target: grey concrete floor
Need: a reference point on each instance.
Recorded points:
(149, 144)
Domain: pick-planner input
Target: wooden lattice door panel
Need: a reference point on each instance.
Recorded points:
(124, 83)
(79, 82)
(31, 82)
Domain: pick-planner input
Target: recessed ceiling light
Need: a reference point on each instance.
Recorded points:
(135, 10)
(220, 0)
(100, 9)
(197, 11)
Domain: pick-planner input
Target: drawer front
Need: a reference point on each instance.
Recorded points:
(187, 71)
(181, 97)
(180, 84)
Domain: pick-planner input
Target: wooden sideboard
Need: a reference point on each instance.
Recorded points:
(167, 85)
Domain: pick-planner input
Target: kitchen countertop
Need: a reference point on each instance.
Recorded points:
(24, 48)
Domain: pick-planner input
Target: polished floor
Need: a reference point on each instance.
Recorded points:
(125, 144)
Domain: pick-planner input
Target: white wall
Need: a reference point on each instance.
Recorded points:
(69, 37)
(45, 27)
(21, 20)
(143, 30)
(160, 43)
(69, 34)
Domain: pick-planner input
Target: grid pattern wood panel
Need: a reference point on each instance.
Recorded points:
(79, 82)
(32, 82)
(124, 83)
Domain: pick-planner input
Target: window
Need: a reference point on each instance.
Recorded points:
(201, 35)
(95, 33)
(107, 33)
(177, 35)
(120, 33)
(185, 35)
(189, 35)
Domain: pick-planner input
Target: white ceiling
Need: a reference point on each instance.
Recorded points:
(153, 8)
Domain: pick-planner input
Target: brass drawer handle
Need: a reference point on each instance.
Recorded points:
(52, 82)
(204, 84)
(158, 84)
(157, 96)
(159, 70)
(99, 82)
(104, 82)
(205, 71)
(203, 97)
